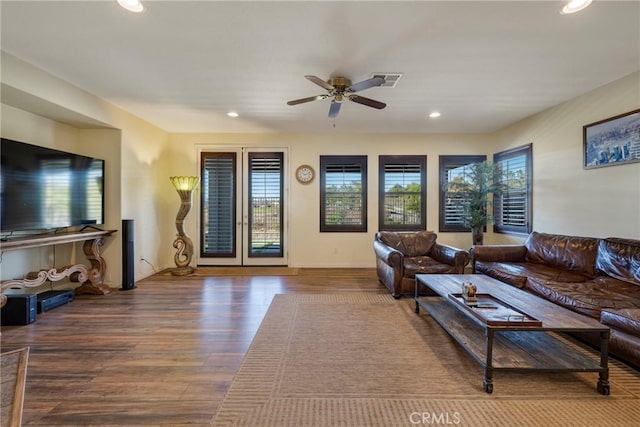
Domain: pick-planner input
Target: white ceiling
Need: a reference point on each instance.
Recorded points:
(183, 65)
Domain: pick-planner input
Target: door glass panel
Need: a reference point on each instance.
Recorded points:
(218, 231)
(265, 204)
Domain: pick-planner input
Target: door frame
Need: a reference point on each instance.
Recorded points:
(241, 209)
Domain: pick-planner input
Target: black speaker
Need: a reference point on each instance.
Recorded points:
(20, 309)
(128, 263)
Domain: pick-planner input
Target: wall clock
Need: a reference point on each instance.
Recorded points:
(305, 174)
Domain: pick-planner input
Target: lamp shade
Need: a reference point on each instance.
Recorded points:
(184, 183)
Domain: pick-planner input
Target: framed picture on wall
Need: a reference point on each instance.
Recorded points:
(613, 141)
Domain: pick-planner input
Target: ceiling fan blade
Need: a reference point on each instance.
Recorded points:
(367, 101)
(303, 100)
(319, 82)
(366, 84)
(335, 108)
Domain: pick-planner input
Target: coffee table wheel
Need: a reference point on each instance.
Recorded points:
(487, 387)
(604, 389)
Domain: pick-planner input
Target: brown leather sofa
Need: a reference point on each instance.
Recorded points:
(596, 277)
(402, 255)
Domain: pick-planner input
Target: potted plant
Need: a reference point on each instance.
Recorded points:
(472, 187)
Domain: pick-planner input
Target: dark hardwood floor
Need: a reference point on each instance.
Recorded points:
(163, 353)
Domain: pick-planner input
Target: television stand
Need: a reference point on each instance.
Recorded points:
(90, 226)
(90, 277)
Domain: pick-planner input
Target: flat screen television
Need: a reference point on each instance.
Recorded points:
(43, 189)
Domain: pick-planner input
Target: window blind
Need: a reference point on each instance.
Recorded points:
(266, 207)
(343, 193)
(218, 204)
(454, 169)
(512, 209)
(402, 192)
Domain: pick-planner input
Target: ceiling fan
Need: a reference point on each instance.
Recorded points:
(339, 88)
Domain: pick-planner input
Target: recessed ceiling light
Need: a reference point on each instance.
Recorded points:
(575, 6)
(131, 5)
(232, 114)
(434, 114)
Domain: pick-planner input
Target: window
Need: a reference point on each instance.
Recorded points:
(218, 205)
(343, 193)
(512, 209)
(402, 193)
(453, 168)
(265, 204)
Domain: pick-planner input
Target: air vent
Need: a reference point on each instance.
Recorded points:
(390, 79)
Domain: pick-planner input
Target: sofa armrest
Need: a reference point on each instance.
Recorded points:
(497, 253)
(388, 255)
(455, 257)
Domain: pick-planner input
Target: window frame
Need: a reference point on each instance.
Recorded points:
(444, 162)
(278, 156)
(383, 161)
(326, 161)
(527, 152)
(205, 204)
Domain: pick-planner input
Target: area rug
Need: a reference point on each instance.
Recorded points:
(356, 359)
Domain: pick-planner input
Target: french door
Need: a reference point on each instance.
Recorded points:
(242, 207)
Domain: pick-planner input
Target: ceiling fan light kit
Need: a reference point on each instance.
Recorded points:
(340, 87)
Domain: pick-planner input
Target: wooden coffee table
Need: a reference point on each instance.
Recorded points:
(518, 331)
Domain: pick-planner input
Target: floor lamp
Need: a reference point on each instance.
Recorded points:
(184, 185)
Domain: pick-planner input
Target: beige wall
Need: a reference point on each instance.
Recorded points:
(307, 246)
(567, 199)
(24, 126)
(71, 119)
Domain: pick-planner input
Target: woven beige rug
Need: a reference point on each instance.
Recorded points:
(368, 360)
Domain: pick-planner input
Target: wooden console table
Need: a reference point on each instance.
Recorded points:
(91, 278)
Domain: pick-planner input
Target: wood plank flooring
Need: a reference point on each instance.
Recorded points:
(161, 354)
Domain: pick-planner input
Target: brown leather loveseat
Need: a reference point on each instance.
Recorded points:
(599, 278)
(400, 255)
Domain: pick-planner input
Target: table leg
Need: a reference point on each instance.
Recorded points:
(603, 378)
(415, 297)
(97, 271)
(487, 381)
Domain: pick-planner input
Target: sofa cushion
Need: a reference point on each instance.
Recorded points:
(626, 319)
(516, 273)
(619, 258)
(410, 243)
(590, 297)
(566, 252)
(424, 265)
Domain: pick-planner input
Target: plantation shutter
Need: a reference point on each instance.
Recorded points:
(343, 193)
(512, 209)
(265, 204)
(454, 202)
(218, 205)
(452, 169)
(402, 193)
